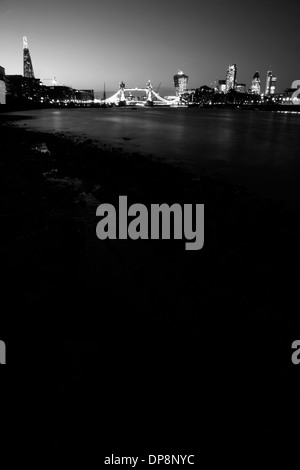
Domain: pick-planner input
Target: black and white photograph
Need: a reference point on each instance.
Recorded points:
(150, 208)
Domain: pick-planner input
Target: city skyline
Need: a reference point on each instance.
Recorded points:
(87, 45)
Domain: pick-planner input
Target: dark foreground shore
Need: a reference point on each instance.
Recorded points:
(143, 342)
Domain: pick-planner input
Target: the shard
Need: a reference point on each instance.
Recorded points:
(28, 69)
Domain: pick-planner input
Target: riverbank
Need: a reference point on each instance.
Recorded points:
(144, 318)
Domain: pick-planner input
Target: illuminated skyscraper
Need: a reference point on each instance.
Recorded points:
(255, 86)
(27, 64)
(231, 77)
(270, 83)
(273, 85)
(180, 82)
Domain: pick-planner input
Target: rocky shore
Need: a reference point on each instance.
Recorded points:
(144, 320)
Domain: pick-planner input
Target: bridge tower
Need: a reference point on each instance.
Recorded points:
(149, 94)
(122, 98)
(27, 64)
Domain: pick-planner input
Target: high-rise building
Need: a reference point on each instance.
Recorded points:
(2, 86)
(255, 86)
(231, 77)
(180, 82)
(273, 85)
(27, 64)
(270, 83)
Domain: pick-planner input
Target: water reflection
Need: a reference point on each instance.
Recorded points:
(259, 149)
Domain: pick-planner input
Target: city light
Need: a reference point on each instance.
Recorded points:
(19, 89)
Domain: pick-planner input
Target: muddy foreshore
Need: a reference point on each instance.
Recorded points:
(90, 313)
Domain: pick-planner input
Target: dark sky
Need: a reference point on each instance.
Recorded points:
(84, 43)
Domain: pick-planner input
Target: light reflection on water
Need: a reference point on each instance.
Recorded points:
(258, 149)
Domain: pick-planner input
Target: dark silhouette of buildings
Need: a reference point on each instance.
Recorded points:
(58, 94)
(3, 86)
(23, 90)
(26, 90)
(81, 96)
(67, 95)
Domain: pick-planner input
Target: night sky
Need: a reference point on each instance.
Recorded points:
(84, 43)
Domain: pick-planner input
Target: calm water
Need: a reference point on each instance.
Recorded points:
(257, 149)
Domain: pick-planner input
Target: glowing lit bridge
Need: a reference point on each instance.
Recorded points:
(151, 96)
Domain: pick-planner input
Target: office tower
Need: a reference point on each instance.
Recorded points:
(270, 83)
(28, 69)
(180, 82)
(255, 86)
(273, 85)
(231, 77)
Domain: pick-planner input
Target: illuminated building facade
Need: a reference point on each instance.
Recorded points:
(270, 83)
(2, 86)
(221, 86)
(180, 82)
(27, 64)
(255, 86)
(240, 87)
(273, 85)
(231, 77)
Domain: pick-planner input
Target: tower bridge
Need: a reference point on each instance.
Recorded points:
(150, 96)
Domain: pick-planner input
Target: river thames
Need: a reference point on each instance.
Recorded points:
(259, 150)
